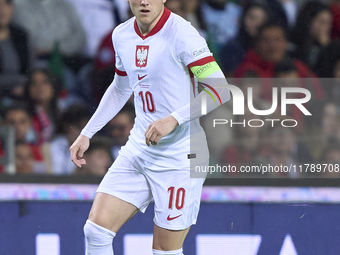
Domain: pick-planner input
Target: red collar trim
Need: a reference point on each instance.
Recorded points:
(159, 25)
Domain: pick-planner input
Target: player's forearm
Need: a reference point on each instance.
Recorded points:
(112, 102)
(219, 95)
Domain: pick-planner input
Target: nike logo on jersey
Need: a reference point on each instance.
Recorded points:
(172, 218)
(140, 78)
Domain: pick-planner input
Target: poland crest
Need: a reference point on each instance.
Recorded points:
(142, 55)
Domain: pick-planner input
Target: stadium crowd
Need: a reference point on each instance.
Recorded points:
(57, 59)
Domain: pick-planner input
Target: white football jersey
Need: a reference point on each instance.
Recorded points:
(159, 76)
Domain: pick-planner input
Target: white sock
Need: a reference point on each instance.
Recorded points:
(176, 252)
(98, 239)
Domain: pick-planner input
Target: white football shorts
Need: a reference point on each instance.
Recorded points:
(177, 196)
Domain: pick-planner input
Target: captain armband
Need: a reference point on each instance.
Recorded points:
(204, 71)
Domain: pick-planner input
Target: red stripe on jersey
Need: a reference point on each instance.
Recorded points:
(121, 73)
(202, 61)
(159, 25)
(192, 79)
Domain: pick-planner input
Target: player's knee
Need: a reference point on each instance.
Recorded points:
(97, 235)
(175, 252)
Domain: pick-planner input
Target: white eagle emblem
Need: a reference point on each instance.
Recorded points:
(142, 54)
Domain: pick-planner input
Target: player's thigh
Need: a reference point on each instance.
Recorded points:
(111, 212)
(123, 191)
(168, 240)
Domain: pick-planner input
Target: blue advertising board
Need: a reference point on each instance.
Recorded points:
(42, 227)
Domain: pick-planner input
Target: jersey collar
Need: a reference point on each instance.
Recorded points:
(159, 25)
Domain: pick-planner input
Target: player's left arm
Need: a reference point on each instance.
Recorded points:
(192, 50)
(214, 91)
(214, 94)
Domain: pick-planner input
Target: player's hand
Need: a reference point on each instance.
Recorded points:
(77, 149)
(159, 129)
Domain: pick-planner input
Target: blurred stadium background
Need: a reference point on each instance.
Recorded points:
(56, 60)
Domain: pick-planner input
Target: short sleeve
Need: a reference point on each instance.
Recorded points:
(119, 64)
(190, 46)
(120, 70)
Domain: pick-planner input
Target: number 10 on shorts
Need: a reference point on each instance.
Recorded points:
(180, 194)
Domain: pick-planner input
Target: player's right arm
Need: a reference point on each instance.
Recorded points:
(112, 102)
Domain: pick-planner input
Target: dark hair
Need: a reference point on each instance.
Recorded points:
(243, 33)
(250, 74)
(307, 13)
(56, 89)
(101, 143)
(285, 66)
(328, 59)
(271, 24)
(75, 115)
(200, 16)
(18, 107)
(9, 1)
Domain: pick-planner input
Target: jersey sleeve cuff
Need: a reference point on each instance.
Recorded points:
(86, 133)
(202, 61)
(178, 118)
(120, 73)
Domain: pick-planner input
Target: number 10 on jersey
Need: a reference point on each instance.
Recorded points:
(147, 101)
